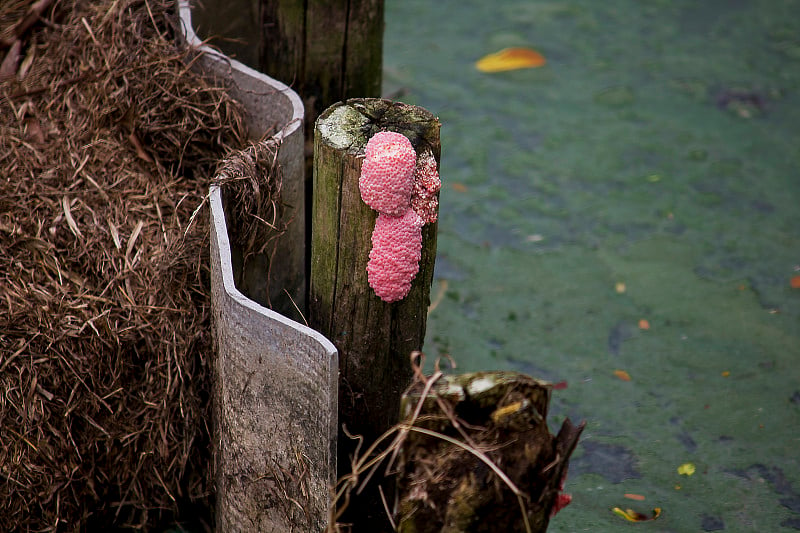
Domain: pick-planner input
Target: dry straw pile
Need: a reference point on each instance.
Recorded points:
(107, 139)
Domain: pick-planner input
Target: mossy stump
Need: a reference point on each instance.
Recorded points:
(445, 487)
(374, 338)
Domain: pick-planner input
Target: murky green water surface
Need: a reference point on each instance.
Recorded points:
(657, 151)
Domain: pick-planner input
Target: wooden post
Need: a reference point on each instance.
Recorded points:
(443, 487)
(326, 51)
(374, 338)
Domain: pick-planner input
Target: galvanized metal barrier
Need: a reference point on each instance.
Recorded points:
(275, 379)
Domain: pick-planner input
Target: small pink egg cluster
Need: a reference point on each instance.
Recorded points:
(425, 198)
(402, 189)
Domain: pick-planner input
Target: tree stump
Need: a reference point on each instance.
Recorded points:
(446, 487)
(274, 408)
(374, 338)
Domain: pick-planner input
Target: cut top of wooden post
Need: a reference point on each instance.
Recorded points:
(350, 125)
(374, 338)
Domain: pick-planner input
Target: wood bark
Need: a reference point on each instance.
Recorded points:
(374, 338)
(444, 487)
(326, 51)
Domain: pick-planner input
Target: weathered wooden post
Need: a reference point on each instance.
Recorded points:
(325, 50)
(374, 338)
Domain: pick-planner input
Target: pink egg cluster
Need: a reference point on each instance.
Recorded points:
(387, 174)
(425, 198)
(394, 258)
(403, 190)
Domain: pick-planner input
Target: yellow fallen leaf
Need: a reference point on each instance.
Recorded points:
(633, 516)
(686, 469)
(510, 59)
(619, 287)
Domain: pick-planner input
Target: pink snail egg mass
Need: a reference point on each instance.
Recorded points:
(394, 258)
(387, 173)
(424, 198)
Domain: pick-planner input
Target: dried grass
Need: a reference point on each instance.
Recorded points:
(106, 142)
(251, 181)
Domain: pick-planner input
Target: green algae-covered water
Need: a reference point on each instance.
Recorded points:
(633, 205)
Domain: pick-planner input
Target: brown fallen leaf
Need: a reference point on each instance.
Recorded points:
(621, 374)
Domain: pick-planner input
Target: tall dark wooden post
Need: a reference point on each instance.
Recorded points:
(327, 51)
(374, 338)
